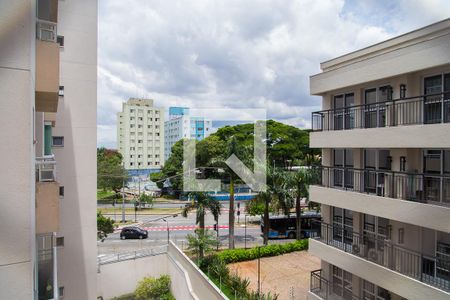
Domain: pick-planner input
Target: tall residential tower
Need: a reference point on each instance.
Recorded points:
(182, 125)
(140, 135)
(385, 181)
(48, 85)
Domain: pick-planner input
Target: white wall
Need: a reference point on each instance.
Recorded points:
(121, 278)
(188, 282)
(76, 120)
(17, 73)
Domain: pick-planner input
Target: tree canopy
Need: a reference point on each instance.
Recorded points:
(286, 146)
(110, 172)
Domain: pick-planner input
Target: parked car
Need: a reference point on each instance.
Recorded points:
(133, 233)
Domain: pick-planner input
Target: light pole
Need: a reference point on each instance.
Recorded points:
(168, 232)
(245, 231)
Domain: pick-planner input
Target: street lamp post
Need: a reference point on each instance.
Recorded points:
(245, 231)
(168, 232)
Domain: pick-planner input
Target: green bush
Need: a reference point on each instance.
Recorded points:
(125, 297)
(237, 255)
(151, 288)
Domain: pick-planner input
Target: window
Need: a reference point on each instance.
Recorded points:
(61, 291)
(61, 91)
(60, 241)
(58, 141)
(131, 110)
(60, 40)
(375, 109)
(131, 164)
(61, 191)
(341, 112)
(131, 125)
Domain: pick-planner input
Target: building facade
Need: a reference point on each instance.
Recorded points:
(182, 125)
(48, 81)
(384, 184)
(140, 135)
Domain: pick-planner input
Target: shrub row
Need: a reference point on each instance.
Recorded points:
(237, 255)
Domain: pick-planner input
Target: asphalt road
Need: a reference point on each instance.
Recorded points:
(179, 228)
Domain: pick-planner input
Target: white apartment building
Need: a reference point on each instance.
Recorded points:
(182, 125)
(140, 135)
(48, 83)
(385, 181)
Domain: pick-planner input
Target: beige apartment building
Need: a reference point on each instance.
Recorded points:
(140, 135)
(385, 178)
(48, 86)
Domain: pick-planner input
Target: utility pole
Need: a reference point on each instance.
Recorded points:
(123, 200)
(259, 276)
(245, 231)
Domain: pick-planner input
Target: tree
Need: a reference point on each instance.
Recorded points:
(110, 172)
(104, 226)
(266, 198)
(146, 199)
(150, 288)
(255, 207)
(158, 178)
(202, 202)
(299, 182)
(201, 242)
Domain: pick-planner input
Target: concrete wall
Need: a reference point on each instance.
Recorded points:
(425, 53)
(17, 77)
(395, 209)
(188, 282)
(381, 276)
(47, 207)
(76, 121)
(121, 278)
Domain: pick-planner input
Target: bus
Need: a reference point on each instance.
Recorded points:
(286, 227)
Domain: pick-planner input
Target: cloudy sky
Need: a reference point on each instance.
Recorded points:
(236, 53)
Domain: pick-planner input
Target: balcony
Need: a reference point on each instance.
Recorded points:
(431, 270)
(323, 288)
(417, 187)
(47, 196)
(388, 124)
(47, 67)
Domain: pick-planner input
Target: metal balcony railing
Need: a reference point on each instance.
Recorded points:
(45, 169)
(420, 187)
(425, 109)
(321, 287)
(432, 270)
(46, 31)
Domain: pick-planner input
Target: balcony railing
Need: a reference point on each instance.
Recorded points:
(429, 109)
(321, 287)
(420, 187)
(46, 31)
(432, 270)
(45, 169)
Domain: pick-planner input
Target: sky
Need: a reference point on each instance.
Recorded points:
(236, 53)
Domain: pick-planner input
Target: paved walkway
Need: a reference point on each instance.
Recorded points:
(287, 275)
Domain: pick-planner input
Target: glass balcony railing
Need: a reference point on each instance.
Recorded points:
(425, 109)
(432, 270)
(420, 187)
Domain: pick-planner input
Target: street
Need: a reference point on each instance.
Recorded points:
(179, 228)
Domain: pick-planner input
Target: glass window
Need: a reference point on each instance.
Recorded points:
(384, 161)
(371, 96)
(432, 161)
(370, 158)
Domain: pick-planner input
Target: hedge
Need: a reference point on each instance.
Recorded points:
(237, 255)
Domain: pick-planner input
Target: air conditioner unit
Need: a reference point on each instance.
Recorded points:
(46, 175)
(358, 249)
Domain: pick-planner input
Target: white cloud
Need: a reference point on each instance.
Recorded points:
(239, 54)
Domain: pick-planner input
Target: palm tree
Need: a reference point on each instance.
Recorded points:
(202, 202)
(265, 197)
(300, 182)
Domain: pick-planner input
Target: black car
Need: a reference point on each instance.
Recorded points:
(133, 233)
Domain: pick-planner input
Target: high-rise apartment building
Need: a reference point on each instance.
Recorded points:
(385, 178)
(182, 125)
(140, 135)
(48, 83)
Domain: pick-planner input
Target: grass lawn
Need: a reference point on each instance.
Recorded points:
(143, 211)
(103, 194)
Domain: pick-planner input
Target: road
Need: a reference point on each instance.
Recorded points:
(179, 228)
